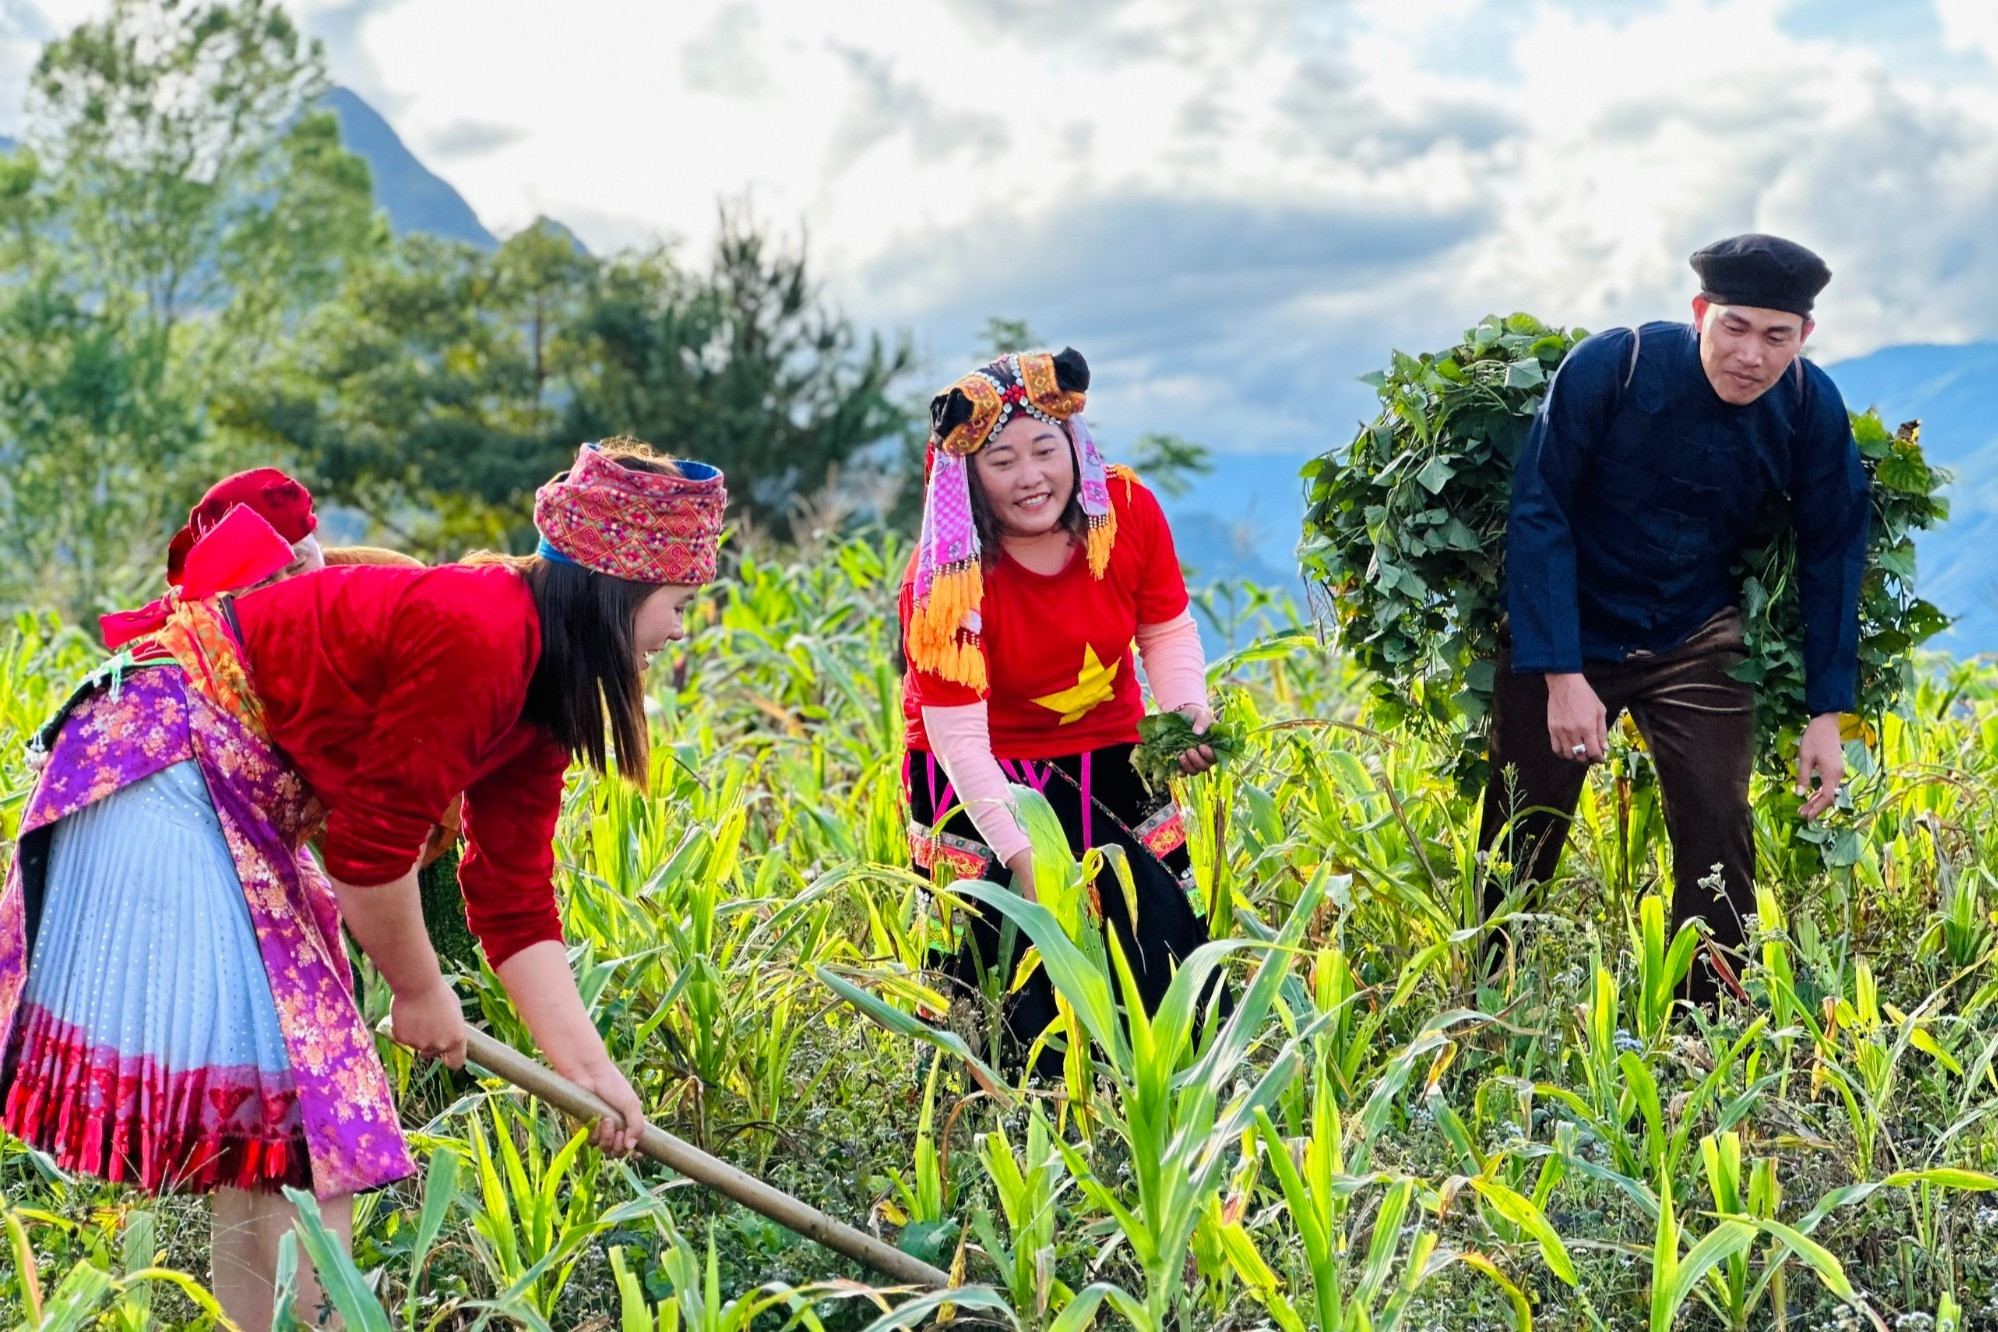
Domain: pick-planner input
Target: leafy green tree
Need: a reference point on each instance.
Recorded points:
(743, 365)
(411, 395)
(1007, 335)
(183, 162)
(442, 385)
(1170, 462)
(174, 211)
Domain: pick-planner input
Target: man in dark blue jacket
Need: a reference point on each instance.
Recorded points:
(1640, 483)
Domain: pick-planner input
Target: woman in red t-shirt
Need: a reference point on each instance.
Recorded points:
(1037, 571)
(175, 1003)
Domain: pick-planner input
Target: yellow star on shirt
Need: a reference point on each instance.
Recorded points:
(1094, 683)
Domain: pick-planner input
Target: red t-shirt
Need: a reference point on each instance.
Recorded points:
(394, 689)
(1058, 646)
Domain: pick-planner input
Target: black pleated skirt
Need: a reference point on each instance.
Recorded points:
(1100, 801)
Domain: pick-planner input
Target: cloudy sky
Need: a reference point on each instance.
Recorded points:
(1232, 208)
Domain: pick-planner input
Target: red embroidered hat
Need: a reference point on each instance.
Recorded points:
(274, 497)
(650, 527)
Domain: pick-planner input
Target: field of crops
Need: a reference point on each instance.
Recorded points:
(1379, 1137)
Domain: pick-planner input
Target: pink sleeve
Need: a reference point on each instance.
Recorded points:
(961, 738)
(1174, 662)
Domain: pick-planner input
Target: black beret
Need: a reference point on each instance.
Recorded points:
(1766, 272)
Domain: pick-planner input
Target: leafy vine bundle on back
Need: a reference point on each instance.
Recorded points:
(1404, 544)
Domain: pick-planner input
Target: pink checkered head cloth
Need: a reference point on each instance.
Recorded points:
(646, 526)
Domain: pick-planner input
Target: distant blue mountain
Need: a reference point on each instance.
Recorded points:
(1953, 391)
(1241, 520)
(414, 197)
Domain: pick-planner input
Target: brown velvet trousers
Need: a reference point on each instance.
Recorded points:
(1697, 720)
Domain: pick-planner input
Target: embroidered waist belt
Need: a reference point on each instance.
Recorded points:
(968, 858)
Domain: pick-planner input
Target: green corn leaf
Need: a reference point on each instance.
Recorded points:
(1820, 1259)
(918, 1312)
(1074, 976)
(1080, 1313)
(345, 1287)
(1521, 1212)
(440, 1192)
(907, 1024)
(1715, 1247)
(1522, 1311)
(1386, 1240)
(77, 1300)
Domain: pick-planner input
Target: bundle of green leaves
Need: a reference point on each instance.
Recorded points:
(1404, 545)
(1164, 736)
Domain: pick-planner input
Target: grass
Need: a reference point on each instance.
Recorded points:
(1380, 1136)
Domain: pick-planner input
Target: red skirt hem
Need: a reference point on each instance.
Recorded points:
(126, 1118)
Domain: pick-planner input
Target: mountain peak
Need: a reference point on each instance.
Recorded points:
(414, 197)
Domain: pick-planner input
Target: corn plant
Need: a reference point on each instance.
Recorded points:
(927, 1203)
(1676, 1276)
(80, 1299)
(697, 1303)
(1028, 1185)
(1169, 1081)
(535, 1212)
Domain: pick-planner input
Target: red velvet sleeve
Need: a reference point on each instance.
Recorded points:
(463, 651)
(508, 874)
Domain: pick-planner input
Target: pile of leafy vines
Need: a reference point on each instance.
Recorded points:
(1404, 543)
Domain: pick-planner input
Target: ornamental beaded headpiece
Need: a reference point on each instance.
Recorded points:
(650, 527)
(944, 627)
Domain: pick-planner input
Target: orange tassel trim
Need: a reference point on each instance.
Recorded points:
(938, 641)
(1102, 536)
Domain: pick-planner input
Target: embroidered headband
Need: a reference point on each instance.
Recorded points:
(944, 627)
(650, 527)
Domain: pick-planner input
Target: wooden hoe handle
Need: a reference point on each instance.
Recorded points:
(538, 1080)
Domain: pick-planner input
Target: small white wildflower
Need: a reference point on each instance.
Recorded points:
(1915, 1322)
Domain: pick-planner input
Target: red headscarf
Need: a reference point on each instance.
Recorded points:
(276, 498)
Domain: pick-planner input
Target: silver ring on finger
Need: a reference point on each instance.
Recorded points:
(1580, 751)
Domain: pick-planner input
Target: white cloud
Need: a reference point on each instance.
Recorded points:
(1970, 25)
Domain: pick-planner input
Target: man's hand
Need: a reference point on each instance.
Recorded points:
(1022, 865)
(1821, 754)
(1576, 725)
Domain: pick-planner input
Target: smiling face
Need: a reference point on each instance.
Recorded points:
(661, 619)
(1745, 350)
(1027, 474)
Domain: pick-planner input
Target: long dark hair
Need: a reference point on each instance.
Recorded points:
(1073, 520)
(588, 680)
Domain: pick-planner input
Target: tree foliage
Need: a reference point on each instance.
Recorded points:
(174, 208)
(441, 384)
(1404, 539)
(194, 277)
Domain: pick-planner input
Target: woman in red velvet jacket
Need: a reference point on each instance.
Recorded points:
(175, 1009)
